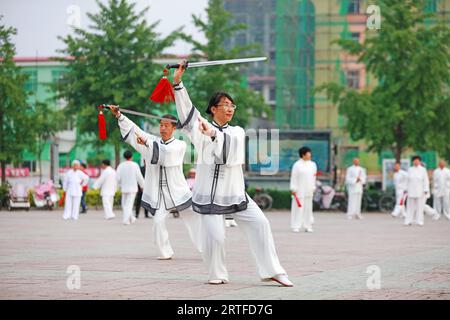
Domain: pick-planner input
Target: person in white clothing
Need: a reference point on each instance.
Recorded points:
(219, 187)
(108, 184)
(417, 191)
(355, 180)
(441, 190)
(74, 181)
(400, 183)
(129, 176)
(165, 188)
(303, 184)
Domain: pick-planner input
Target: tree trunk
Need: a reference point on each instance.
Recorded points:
(3, 164)
(398, 143)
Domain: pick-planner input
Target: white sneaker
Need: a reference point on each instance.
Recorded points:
(283, 280)
(420, 224)
(349, 217)
(217, 281)
(133, 219)
(360, 217)
(407, 224)
(310, 230)
(436, 217)
(126, 222)
(165, 258)
(295, 230)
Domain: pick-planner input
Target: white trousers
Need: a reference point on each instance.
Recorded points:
(354, 204)
(399, 210)
(127, 202)
(256, 227)
(415, 210)
(192, 222)
(442, 205)
(108, 202)
(71, 207)
(302, 217)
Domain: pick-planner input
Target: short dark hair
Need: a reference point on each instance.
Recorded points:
(106, 162)
(303, 150)
(83, 165)
(128, 154)
(416, 157)
(398, 162)
(215, 100)
(170, 117)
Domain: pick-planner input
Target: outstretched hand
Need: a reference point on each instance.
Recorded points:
(115, 110)
(178, 73)
(205, 128)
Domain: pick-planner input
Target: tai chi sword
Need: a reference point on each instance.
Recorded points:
(215, 62)
(151, 116)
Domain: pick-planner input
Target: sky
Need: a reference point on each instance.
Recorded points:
(40, 22)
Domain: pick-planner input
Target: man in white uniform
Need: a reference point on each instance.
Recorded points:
(165, 187)
(355, 180)
(400, 183)
(219, 187)
(108, 183)
(417, 190)
(74, 181)
(441, 190)
(303, 184)
(129, 176)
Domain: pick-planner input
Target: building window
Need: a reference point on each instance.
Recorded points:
(272, 94)
(354, 7)
(355, 36)
(353, 79)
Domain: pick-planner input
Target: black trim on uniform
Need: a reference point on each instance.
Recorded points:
(188, 119)
(155, 155)
(218, 209)
(126, 136)
(148, 207)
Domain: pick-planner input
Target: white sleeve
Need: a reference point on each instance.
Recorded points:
(85, 179)
(294, 178)
(128, 131)
(348, 177)
(66, 181)
(98, 183)
(426, 181)
(188, 116)
(363, 176)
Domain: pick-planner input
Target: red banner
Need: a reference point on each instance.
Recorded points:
(17, 172)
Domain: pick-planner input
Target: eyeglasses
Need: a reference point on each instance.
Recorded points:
(226, 105)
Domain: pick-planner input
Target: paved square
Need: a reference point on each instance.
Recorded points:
(340, 260)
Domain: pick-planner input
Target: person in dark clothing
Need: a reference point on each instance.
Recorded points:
(139, 197)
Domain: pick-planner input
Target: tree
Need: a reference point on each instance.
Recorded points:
(15, 135)
(409, 106)
(203, 82)
(46, 123)
(111, 63)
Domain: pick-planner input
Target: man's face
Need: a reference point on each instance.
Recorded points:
(416, 162)
(356, 162)
(76, 166)
(224, 111)
(397, 167)
(166, 129)
(307, 156)
(442, 164)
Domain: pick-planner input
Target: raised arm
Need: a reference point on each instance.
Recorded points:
(132, 134)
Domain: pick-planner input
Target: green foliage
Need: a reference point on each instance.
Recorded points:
(4, 194)
(203, 82)
(15, 119)
(409, 106)
(112, 63)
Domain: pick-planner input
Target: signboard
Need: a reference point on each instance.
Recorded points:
(17, 172)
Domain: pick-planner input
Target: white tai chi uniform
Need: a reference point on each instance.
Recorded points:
(74, 180)
(441, 192)
(355, 190)
(400, 183)
(303, 183)
(418, 186)
(108, 183)
(219, 189)
(129, 176)
(165, 187)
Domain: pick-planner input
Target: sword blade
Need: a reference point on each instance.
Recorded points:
(147, 115)
(216, 62)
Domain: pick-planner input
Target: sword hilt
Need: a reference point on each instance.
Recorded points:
(177, 65)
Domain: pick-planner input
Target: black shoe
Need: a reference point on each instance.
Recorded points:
(84, 211)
